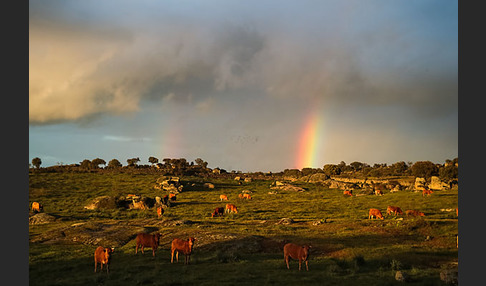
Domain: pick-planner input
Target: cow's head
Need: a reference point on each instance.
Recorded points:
(157, 237)
(191, 241)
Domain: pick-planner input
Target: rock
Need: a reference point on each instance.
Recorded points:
(419, 184)
(449, 276)
(41, 218)
(402, 276)
(437, 184)
(103, 202)
(285, 221)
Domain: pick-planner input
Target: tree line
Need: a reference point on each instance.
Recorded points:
(447, 171)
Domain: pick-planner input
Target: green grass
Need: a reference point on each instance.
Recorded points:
(347, 248)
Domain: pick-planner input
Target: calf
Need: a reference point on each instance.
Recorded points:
(103, 256)
(223, 197)
(348, 193)
(218, 212)
(414, 213)
(394, 210)
(378, 193)
(297, 252)
(37, 207)
(183, 246)
(231, 208)
(426, 192)
(375, 213)
(148, 240)
(160, 211)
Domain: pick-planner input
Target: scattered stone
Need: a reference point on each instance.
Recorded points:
(402, 276)
(285, 221)
(449, 276)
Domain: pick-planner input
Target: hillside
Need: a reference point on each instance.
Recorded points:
(243, 248)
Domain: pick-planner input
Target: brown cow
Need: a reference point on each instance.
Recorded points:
(37, 207)
(148, 240)
(394, 210)
(218, 212)
(183, 246)
(426, 192)
(247, 196)
(375, 213)
(240, 196)
(103, 256)
(160, 211)
(414, 213)
(231, 208)
(223, 197)
(349, 193)
(378, 193)
(297, 252)
(172, 197)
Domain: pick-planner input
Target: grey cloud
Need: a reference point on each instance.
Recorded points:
(100, 66)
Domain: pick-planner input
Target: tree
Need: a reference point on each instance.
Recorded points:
(357, 166)
(114, 163)
(133, 161)
(37, 162)
(201, 162)
(97, 162)
(86, 164)
(331, 170)
(153, 160)
(424, 169)
(399, 168)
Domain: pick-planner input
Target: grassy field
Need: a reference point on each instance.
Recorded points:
(243, 248)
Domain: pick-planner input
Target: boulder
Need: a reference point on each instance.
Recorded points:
(41, 218)
(103, 202)
(285, 221)
(449, 276)
(420, 184)
(402, 276)
(437, 184)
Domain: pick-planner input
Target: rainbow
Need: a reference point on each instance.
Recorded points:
(309, 143)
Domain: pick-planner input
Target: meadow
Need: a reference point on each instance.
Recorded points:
(243, 248)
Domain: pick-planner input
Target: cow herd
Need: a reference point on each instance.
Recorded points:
(102, 255)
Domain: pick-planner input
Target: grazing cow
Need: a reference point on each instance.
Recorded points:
(426, 192)
(375, 213)
(297, 252)
(394, 210)
(414, 213)
(223, 197)
(103, 256)
(231, 208)
(247, 196)
(37, 207)
(378, 193)
(160, 211)
(182, 246)
(148, 240)
(172, 197)
(349, 193)
(218, 212)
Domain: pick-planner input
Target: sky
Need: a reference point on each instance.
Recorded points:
(244, 85)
